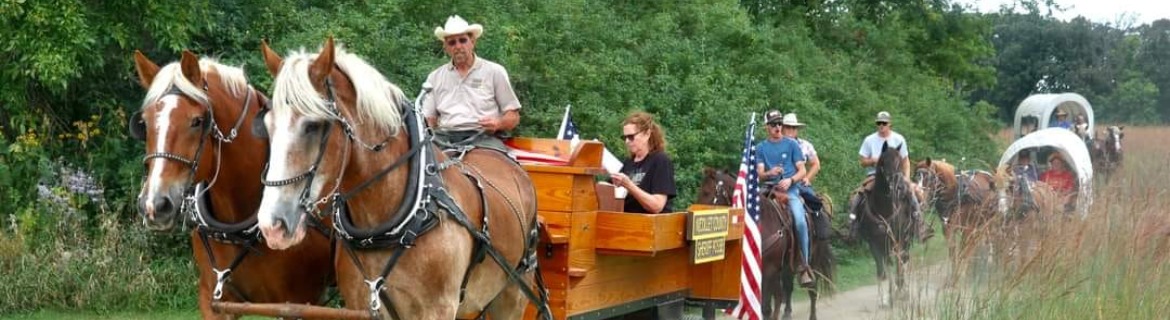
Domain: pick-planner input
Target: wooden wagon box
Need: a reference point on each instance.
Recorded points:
(598, 262)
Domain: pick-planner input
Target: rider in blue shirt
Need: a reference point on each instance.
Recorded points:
(781, 165)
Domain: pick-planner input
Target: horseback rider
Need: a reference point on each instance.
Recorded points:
(473, 100)
(871, 150)
(791, 129)
(782, 166)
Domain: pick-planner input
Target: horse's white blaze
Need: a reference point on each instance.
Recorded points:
(162, 124)
(281, 144)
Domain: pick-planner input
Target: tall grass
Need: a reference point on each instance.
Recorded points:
(71, 249)
(1113, 264)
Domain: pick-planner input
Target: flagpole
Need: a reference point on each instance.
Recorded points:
(564, 121)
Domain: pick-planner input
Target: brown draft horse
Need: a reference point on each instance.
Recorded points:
(199, 168)
(413, 221)
(1105, 151)
(885, 222)
(781, 256)
(965, 201)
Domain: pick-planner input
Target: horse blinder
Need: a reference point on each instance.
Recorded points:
(137, 126)
(258, 128)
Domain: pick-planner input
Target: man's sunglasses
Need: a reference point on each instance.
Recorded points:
(882, 124)
(775, 125)
(451, 43)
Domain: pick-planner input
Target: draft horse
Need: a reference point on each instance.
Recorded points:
(886, 223)
(199, 166)
(412, 220)
(1105, 151)
(965, 201)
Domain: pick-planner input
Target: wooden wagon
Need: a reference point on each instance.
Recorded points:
(599, 262)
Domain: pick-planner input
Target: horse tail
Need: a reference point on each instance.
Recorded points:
(824, 263)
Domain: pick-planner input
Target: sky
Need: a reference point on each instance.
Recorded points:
(1102, 11)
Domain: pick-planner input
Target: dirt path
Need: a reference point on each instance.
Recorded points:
(862, 303)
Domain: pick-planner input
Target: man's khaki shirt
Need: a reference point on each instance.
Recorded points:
(458, 103)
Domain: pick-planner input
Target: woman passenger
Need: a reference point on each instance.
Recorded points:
(648, 174)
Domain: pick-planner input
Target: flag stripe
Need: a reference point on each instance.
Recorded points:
(746, 195)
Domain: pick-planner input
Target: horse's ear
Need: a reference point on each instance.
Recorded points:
(708, 171)
(927, 161)
(271, 59)
(191, 70)
(146, 69)
(885, 145)
(324, 63)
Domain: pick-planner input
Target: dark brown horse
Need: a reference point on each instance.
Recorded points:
(201, 166)
(1105, 151)
(716, 187)
(885, 221)
(413, 221)
(781, 256)
(965, 201)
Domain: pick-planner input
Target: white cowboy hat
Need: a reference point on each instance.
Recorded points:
(790, 121)
(456, 25)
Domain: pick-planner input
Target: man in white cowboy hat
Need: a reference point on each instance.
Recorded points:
(871, 150)
(781, 167)
(472, 99)
(821, 223)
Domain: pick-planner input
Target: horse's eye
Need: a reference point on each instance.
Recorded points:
(312, 127)
(197, 122)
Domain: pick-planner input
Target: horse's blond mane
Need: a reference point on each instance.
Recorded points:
(172, 75)
(378, 100)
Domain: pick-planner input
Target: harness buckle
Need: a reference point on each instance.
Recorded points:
(375, 287)
(220, 278)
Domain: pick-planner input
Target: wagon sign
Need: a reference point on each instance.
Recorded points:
(708, 230)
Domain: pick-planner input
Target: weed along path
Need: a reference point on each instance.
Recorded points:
(922, 287)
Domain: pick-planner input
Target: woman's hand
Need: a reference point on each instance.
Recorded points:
(620, 179)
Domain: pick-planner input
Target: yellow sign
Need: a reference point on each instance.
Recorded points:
(707, 250)
(705, 224)
(707, 229)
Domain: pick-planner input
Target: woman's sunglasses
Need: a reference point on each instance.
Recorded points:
(630, 137)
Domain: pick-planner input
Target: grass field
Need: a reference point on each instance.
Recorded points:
(1113, 264)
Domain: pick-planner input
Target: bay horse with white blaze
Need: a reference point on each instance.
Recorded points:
(412, 221)
(201, 167)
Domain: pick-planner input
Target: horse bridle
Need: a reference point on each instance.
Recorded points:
(210, 128)
(720, 191)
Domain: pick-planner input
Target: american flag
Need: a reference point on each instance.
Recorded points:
(747, 196)
(569, 132)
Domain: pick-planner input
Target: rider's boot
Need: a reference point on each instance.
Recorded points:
(805, 275)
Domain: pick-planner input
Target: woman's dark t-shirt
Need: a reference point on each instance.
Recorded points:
(655, 175)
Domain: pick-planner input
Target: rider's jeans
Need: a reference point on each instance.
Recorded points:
(798, 218)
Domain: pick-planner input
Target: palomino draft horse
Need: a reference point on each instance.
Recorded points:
(781, 252)
(885, 220)
(965, 201)
(1106, 151)
(201, 167)
(413, 222)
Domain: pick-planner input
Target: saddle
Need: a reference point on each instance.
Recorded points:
(784, 216)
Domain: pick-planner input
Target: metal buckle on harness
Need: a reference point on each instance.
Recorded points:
(220, 278)
(375, 287)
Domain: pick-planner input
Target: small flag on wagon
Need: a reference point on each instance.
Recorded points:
(747, 196)
(569, 131)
